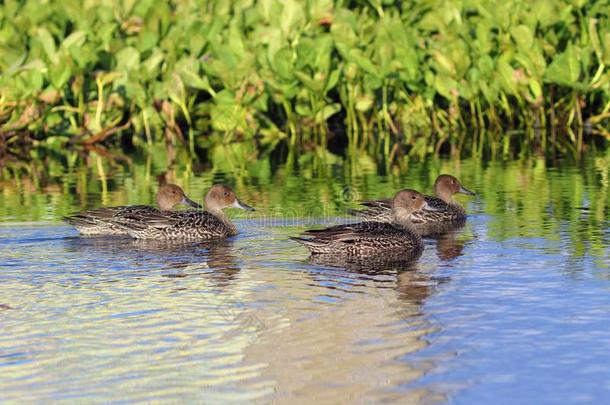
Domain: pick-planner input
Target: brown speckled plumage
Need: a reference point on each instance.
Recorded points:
(188, 225)
(107, 221)
(195, 225)
(99, 221)
(445, 212)
(362, 238)
(372, 238)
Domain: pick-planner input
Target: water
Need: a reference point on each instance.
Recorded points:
(513, 308)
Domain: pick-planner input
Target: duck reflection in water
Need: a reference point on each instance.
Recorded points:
(214, 259)
(412, 284)
(450, 241)
(449, 247)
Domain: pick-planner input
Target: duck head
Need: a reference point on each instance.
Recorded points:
(220, 197)
(406, 202)
(446, 186)
(170, 195)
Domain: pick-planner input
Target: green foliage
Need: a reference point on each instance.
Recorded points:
(425, 71)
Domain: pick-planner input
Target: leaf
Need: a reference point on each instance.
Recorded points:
(76, 38)
(48, 44)
(59, 75)
(136, 92)
(446, 86)
(106, 78)
(147, 41)
(265, 7)
(293, 16)
(523, 37)
(128, 59)
(506, 75)
(356, 56)
(565, 68)
(364, 102)
(607, 48)
(482, 39)
(333, 79)
(371, 82)
(303, 108)
(314, 85)
(545, 13)
(306, 53)
(343, 34)
(226, 117)
(327, 112)
(444, 64)
(176, 89)
(151, 65)
(594, 37)
(34, 80)
(485, 65)
(536, 89)
(282, 64)
(192, 79)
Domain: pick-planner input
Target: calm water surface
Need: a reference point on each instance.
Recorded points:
(514, 307)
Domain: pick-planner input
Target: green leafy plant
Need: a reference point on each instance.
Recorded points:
(432, 76)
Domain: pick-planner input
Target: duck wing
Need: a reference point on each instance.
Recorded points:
(357, 231)
(435, 203)
(167, 221)
(375, 210)
(439, 212)
(106, 214)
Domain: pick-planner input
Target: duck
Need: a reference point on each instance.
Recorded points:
(103, 221)
(446, 211)
(188, 225)
(395, 238)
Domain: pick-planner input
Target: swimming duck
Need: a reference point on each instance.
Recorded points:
(188, 225)
(372, 238)
(102, 221)
(446, 211)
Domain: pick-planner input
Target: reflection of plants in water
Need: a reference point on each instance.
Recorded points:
(567, 201)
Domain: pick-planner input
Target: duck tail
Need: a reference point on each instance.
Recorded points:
(79, 220)
(309, 242)
(313, 244)
(302, 241)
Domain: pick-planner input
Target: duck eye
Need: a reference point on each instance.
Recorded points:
(226, 193)
(413, 197)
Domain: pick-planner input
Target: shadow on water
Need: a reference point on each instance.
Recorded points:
(400, 289)
(402, 274)
(216, 260)
(450, 244)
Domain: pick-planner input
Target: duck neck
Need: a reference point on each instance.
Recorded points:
(403, 219)
(407, 225)
(219, 213)
(164, 205)
(447, 197)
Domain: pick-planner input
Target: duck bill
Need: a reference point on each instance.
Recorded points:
(187, 201)
(242, 206)
(464, 190)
